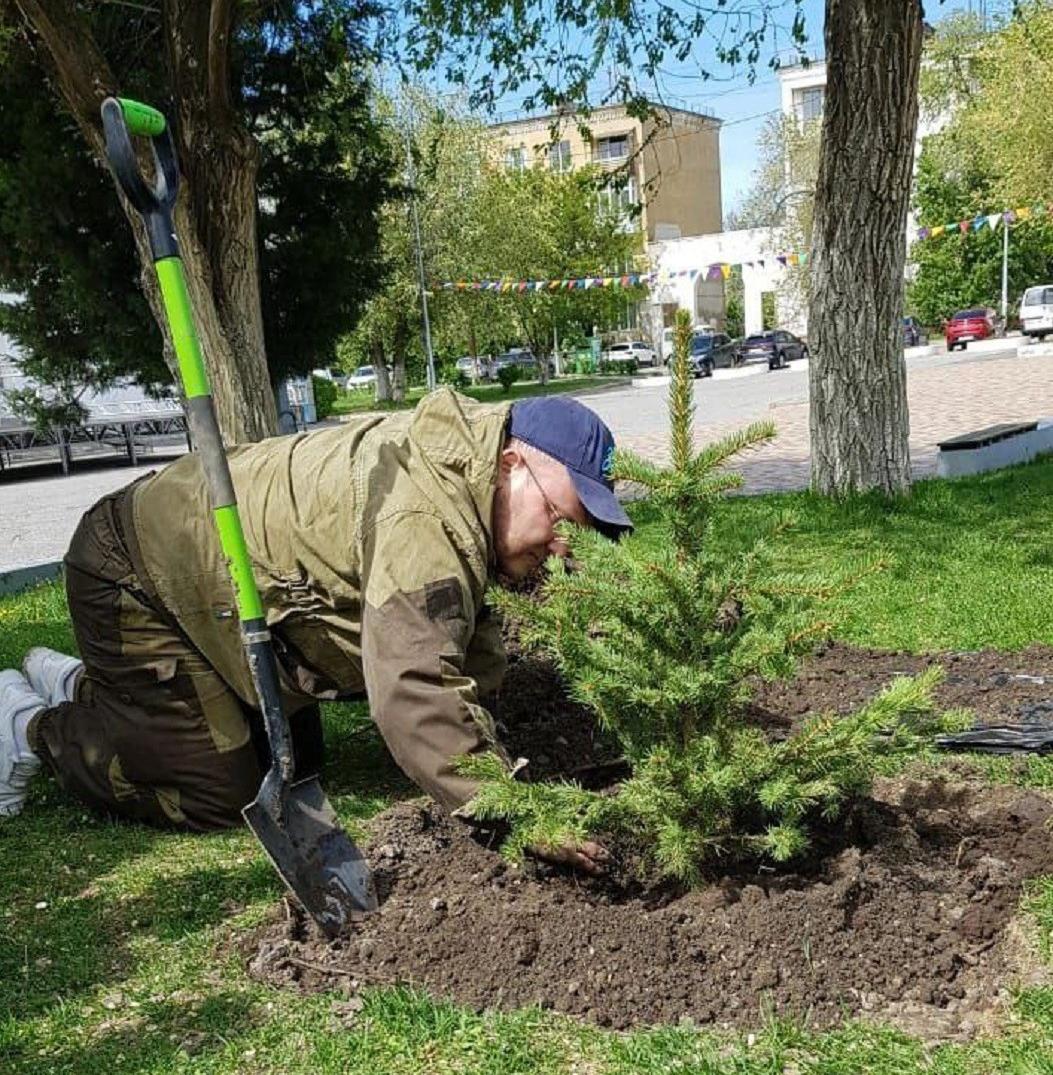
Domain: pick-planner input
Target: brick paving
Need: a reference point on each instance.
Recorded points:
(38, 515)
(944, 402)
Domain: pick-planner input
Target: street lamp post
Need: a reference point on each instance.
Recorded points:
(412, 182)
(1005, 269)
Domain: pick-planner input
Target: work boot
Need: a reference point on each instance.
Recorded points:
(18, 703)
(51, 674)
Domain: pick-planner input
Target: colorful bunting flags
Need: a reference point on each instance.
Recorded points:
(719, 270)
(977, 223)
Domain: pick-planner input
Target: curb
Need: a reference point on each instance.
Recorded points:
(23, 578)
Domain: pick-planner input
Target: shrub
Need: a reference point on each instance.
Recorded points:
(624, 366)
(325, 393)
(662, 644)
(450, 373)
(508, 375)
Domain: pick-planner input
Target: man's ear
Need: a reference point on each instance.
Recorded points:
(510, 459)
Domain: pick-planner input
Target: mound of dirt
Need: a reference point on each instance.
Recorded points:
(907, 923)
(904, 915)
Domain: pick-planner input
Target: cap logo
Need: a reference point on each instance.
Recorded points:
(608, 462)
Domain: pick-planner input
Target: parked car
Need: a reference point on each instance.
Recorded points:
(1036, 311)
(338, 377)
(777, 347)
(476, 367)
(634, 349)
(913, 334)
(668, 333)
(363, 377)
(967, 326)
(710, 350)
(524, 359)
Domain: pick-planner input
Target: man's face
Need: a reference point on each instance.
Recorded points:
(534, 494)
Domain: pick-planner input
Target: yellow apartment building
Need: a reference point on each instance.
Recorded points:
(673, 159)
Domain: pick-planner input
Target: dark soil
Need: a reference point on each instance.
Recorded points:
(998, 687)
(904, 915)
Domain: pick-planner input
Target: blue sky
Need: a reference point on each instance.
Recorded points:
(744, 108)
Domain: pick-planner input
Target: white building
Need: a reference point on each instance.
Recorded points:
(687, 280)
(802, 97)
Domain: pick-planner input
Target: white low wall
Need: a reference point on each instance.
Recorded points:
(1004, 453)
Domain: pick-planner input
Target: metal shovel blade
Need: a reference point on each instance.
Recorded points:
(315, 857)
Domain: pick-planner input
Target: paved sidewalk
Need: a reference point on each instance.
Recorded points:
(38, 515)
(943, 402)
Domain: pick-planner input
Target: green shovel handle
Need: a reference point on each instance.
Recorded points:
(122, 118)
(140, 119)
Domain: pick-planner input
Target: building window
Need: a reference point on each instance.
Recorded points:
(619, 201)
(515, 159)
(559, 157)
(808, 103)
(615, 148)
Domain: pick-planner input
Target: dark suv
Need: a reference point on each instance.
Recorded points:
(777, 347)
(709, 350)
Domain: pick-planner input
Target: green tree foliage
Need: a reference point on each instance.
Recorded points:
(662, 644)
(956, 271)
(542, 225)
(986, 158)
(508, 375)
(782, 198)
(481, 221)
(82, 322)
(324, 173)
(324, 396)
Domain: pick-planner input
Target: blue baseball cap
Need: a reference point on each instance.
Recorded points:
(567, 430)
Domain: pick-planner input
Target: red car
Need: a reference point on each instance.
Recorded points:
(968, 325)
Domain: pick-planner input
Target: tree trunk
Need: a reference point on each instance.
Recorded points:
(399, 344)
(215, 218)
(857, 376)
(379, 360)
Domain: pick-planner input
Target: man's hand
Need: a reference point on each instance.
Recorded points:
(589, 857)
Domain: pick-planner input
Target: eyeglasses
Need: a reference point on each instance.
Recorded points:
(554, 513)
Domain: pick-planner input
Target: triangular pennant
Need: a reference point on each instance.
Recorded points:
(938, 230)
(1023, 212)
(964, 225)
(979, 222)
(761, 263)
(726, 270)
(923, 233)
(694, 273)
(781, 259)
(993, 220)
(804, 258)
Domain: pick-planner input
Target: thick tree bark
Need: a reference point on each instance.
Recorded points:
(859, 420)
(215, 217)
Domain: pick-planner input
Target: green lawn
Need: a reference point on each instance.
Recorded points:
(118, 945)
(362, 401)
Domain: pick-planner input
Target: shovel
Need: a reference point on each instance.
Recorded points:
(294, 822)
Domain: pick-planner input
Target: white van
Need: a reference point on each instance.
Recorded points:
(1036, 311)
(667, 337)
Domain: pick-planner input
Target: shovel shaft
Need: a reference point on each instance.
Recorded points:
(155, 205)
(295, 824)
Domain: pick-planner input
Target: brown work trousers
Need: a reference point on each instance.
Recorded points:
(153, 733)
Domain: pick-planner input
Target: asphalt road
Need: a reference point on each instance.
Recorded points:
(39, 513)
